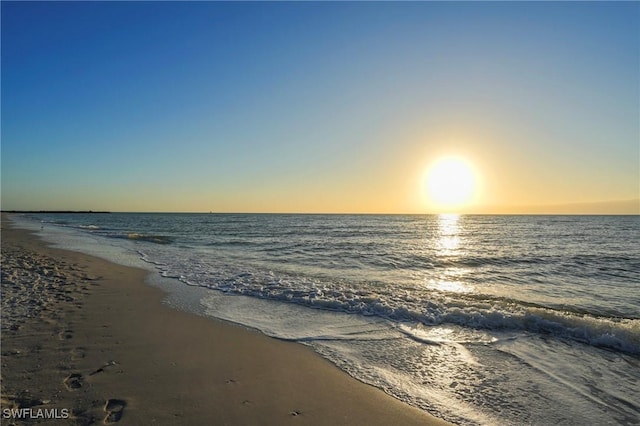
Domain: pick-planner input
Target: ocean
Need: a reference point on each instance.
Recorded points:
(500, 320)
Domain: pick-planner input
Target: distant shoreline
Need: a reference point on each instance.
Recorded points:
(56, 211)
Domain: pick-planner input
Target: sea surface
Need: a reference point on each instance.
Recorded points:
(476, 319)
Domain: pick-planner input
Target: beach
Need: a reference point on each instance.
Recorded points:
(88, 342)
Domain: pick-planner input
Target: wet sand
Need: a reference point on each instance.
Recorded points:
(87, 339)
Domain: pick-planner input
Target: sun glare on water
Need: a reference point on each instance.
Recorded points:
(450, 183)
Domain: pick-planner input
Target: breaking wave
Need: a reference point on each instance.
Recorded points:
(428, 306)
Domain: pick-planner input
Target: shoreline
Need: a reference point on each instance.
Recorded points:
(97, 340)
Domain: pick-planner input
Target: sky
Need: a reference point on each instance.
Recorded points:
(337, 107)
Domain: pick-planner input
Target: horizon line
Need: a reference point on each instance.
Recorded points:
(311, 213)
(626, 207)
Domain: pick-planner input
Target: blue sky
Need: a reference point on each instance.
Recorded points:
(324, 107)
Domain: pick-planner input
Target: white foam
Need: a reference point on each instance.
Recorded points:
(293, 322)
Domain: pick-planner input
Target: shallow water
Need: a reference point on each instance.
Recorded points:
(477, 319)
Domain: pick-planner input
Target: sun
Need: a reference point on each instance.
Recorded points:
(450, 183)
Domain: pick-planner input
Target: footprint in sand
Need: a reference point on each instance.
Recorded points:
(66, 334)
(114, 409)
(73, 381)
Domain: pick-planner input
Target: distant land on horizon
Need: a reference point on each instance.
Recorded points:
(56, 211)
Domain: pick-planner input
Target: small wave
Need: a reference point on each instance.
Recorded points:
(89, 227)
(58, 222)
(145, 258)
(157, 239)
(619, 334)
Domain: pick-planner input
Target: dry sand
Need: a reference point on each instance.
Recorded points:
(90, 337)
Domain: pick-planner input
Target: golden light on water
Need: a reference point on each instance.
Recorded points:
(449, 238)
(449, 245)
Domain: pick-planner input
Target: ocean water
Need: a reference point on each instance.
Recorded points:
(476, 319)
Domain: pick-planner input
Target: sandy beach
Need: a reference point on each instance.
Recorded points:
(88, 342)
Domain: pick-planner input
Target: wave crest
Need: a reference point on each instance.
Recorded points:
(429, 307)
